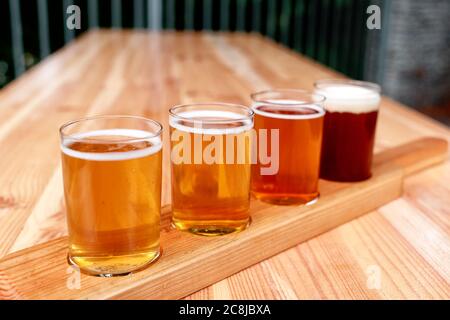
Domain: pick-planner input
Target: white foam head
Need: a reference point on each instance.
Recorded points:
(288, 105)
(347, 97)
(156, 145)
(200, 117)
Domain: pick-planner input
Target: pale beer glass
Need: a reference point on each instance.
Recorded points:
(210, 156)
(112, 185)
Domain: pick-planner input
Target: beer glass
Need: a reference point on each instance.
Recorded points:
(112, 185)
(296, 116)
(210, 160)
(349, 128)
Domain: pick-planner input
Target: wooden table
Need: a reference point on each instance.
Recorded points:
(402, 250)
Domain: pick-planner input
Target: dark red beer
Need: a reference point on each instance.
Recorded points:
(347, 146)
(349, 129)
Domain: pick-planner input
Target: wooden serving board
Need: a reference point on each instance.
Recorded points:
(190, 263)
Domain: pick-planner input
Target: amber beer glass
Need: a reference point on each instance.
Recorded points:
(298, 117)
(210, 156)
(349, 128)
(112, 184)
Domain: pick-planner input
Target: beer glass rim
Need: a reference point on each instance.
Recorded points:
(319, 84)
(157, 133)
(320, 99)
(249, 112)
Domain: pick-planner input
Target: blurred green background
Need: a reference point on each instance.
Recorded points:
(409, 56)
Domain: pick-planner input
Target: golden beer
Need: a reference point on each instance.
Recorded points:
(297, 116)
(112, 186)
(211, 167)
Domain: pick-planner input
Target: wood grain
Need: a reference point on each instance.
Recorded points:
(41, 272)
(141, 73)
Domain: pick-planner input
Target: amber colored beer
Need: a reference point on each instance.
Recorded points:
(349, 129)
(298, 116)
(112, 185)
(211, 196)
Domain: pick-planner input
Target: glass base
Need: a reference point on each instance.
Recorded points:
(113, 266)
(287, 199)
(346, 178)
(211, 228)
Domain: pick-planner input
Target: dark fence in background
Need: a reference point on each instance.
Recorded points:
(332, 32)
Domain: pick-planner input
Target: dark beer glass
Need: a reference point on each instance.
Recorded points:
(349, 129)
